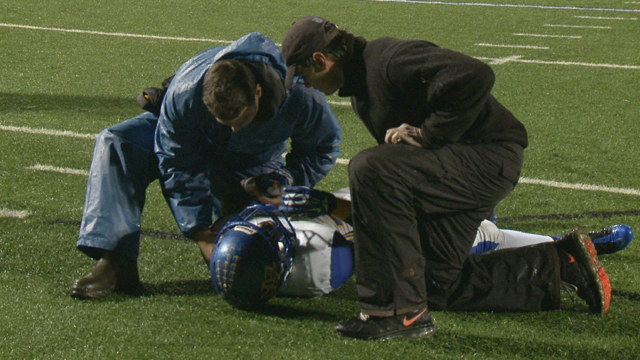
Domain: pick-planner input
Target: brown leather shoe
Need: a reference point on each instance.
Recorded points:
(113, 273)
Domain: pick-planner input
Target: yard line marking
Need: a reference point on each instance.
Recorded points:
(565, 63)
(545, 7)
(563, 185)
(60, 170)
(504, 60)
(578, 26)
(339, 103)
(29, 130)
(343, 161)
(549, 36)
(604, 18)
(514, 46)
(19, 214)
(156, 37)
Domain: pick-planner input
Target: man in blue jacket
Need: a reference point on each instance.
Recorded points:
(217, 144)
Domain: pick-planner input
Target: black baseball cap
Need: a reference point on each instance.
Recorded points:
(306, 35)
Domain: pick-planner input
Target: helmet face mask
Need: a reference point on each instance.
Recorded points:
(253, 255)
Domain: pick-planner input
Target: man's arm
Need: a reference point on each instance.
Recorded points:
(455, 86)
(315, 138)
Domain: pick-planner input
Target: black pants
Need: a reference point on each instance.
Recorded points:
(416, 212)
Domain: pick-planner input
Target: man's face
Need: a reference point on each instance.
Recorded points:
(247, 115)
(243, 120)
(325, 75)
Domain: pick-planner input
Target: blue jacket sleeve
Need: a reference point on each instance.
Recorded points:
(315, 140)
(185, 174)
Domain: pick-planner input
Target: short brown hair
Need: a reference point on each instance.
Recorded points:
(228, 88)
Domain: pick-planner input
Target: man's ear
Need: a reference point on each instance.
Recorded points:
(319, 61)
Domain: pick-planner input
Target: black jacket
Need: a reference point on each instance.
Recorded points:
(446, 93)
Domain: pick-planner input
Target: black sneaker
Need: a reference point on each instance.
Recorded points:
(414, 324)
(581, 270)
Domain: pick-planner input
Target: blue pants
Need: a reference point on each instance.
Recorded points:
(123, 166)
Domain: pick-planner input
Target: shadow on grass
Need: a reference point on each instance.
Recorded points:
(179, 288)
(300, 313)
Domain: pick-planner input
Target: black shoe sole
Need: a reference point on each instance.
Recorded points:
(414, 332)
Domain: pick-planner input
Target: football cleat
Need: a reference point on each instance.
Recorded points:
(581, 270)
(611, 239)
(252, 256)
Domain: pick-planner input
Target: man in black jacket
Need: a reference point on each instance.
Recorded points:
(448, 153)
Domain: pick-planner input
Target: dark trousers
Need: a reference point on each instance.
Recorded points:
(416, 213)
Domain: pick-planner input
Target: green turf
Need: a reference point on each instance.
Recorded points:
(582, 129)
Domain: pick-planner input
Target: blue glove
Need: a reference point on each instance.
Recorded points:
(269, 185)
(301, 200)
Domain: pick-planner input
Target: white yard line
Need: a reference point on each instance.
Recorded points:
(514, 46)
(77, 31)
(519, 59)
(18, 214)
(341, 161)
(603, 18)
(549, 36)
(339, 103)
(543, 7)
(28, 130)
(587, 187)
(578, 26)
(60, 170)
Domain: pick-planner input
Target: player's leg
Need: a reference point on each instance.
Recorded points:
(122, 167)
(490, 237)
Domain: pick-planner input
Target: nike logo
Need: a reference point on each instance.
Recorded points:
(571, 258)
(407, 322)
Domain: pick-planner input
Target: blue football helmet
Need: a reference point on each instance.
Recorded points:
(253, 255)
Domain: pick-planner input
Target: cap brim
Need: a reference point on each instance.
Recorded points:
(288, 80)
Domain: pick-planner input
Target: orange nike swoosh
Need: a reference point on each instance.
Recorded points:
(406, 322)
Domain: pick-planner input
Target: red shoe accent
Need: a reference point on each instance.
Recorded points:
(604, 278)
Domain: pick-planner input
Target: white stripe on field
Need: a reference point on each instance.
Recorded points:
(340, 103)
(546, 7)
(518, 59)
(550, 36)
(578, 26)
(29, 130)
(113, 34)
(341, 161)
(505, 60)
(604, 18)
(564, 185)
(514, 46)
(19, 214)
(60, 170)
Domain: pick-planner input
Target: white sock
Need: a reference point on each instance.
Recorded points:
(513, 239)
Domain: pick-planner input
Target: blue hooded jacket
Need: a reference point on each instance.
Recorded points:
(193, 148)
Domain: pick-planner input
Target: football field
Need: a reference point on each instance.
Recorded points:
(568, 69)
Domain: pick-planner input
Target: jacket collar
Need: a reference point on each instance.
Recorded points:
(355, 81)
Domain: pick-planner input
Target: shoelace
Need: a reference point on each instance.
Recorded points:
(570, 289)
